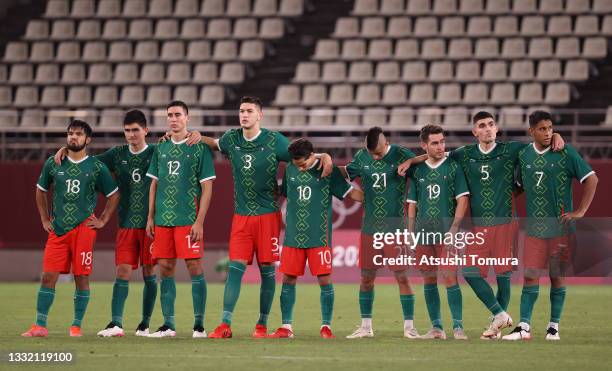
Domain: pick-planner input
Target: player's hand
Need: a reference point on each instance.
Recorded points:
(557, 143)
(572, 215)
(197, 232)
(325, 163)
(95, 223)
(194, 137)
(167, 135)
(47, 226)
(60, 155)
(150, 228)
(403, 167)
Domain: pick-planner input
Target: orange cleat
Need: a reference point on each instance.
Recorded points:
(223, 331)
(261, 332)
(326, 333)
(75, 332)
(36, 332)
(281, 333)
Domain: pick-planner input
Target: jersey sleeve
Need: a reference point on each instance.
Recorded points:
(207, 167)
(283, 187)
(105, 183)
(152, 172)
(407, 153)
(412, 190)
(282, 148)
(338, 185)
(457, 154)
(107, 158)
(353, 169)
(45, 179)
(223, 142)
(461, 187)
(515, 147)
(579, 168)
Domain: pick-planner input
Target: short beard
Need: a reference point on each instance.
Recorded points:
(75, 147)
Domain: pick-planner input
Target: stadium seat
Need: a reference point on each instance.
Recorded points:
(58, 118)
(365, 7)
(395, 94)
(452, 27)
(524, 70)
(109, 9)
(100, 73)
(468, 71)
(307, 72)
(353, 49)
(487, 49)
(387, 72)
(8, 118)
(140, 29)
(460, 49)
(361, 72)
(193, 29)
(134, 8)
(94, 51)
(333, 72)
(374, 116)
(252, 51)
(83, 9)
(62, 29)
(152, 73)
(172, 51)
(428, 115)
(406, 49)
(16, 51)
(456, 116)
(398, 27)
(469, 7)
(89, 29)
(514, 48)
(213, 8)
(433, 49)
(160, 8)
(272, 116)
(576, 71)
(530, 93)
(232, 73)
(498, 7)
(37, 29)
(287, 95)
(245, 28)
(551, 7)
(178, 73)
(6, 96)
(595, 48)
(186, 8)
(606, 26)
(122, 51)
(479, 26)
(158, 96)
(392, 7)
(238, 8)
(578, 6)
(426, 27)
(511, 116)
(372, 27)
(68, 51)
(495, 71)
(367, 95)
(602, 6)
(32, 117)
(380, 49)
(346, 27)
(111, 118)
(132, 96)
(549, 70)
(264, 8)
(57, 9)
(608, 120)
(401, 116)
(212, 96)
(73, 73)
(21, 74)
(445, 7)
(205, 73)
(421, 94)
(271, 28)
(506, 26)
(314, 95)
(476, 94)
(320, 116)
(524, 7)
(560, 26)
(187, 94)
(291, 8)
(294, 117)
(441, 71)
(53, 96)
(47, 74)
(419, 7)
(146, 51)
(448, 94)
(106, 96)
(348, 116)
(219, 29)
(42, 51)
(198, 51)
(503, 93)
(567, 47)
(414, 71)
(79, 96)
(586, 25)
(3, 73)
(166, 29)
(114, 29)
(327, 50)
(557, 94)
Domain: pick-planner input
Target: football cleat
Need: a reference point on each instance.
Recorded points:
(459, 334)
(36, 332)
(163, 332)
(261, 332)
(142, 330)
(281, 333)
(500, 322)
(361, 332)
(111, 330)
(75, 332)
(552, 334)
(435, 333)
(326, 332)
(223, 331)
(411, 333)
(518, 334)
(199, 332)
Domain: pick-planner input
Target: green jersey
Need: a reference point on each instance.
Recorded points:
(130, 169)
(254, 168)
(435, 190)
(75, 189)
(490, 179)
(546, 177)
(179, 169)
(384, 190)
(309, 205)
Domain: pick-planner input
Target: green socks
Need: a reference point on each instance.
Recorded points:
(198, 294)
(503, 289)
(43, 304)
(266, 293)
(232, 290)
(455, 302)
(366, 301)
(120, 294)
(557, 298)
(481, 288)
(432, 300)
(81, 298)
(327, 304)
(168, 296)
(528, 299)
(407, 302)
(287, 301)
(149, 294)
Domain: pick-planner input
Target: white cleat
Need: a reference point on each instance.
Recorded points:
(142, 330)
(361, 332)
(411, 333)
(199, 333)
(459, 334)
(552, 334)
(518, 334)
(111, 330)
(435, 333)
(163, 332)
(500, 322)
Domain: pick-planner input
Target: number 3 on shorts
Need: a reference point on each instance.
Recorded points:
(275, 246)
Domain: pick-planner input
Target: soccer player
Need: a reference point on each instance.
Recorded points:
(384, 191)
(438, 198)
(180, 193)
(72, 226)
(254, 153)
(309, 231)
(546, 178)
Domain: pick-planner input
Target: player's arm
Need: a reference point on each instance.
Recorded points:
(590, 185)
(43, 210)
(412, 209)
(404, 166)
(557, 143)
(344, 172)
(462, 205)
(60, 155)
(151, 215)
(212, 143)
(197, 230)
(325, 163)
(109, 209)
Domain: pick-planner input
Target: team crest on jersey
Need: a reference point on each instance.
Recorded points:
(472, 160)
(421, 180)
(163, 155)
(124, 162)
(60, 173)
(366, 167)
(528, 166)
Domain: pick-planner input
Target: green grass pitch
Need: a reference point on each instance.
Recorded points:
(585, 332)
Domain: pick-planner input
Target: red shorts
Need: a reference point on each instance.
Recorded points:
(372, 258)
(540, 253)
(435, 251)
(74, 248)
(293, 260)
(133, 246)
(499, 242)
(255, 235)
(174, 243)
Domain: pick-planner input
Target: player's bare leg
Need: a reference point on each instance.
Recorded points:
(287, 302)
(167, 296)
(46, 294)
(198, 294)
(407, 301)
(81, 299)
(231, 293)
(529, 296)
(366, 301)
(120, 293)
(327, 305)
(149, 295)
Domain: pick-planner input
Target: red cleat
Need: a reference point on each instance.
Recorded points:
(75, 332)
(223, 331)
(281, 333)
(36, 332)
(261, 332)
(326, 333)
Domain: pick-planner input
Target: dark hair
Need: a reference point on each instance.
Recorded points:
(178, 103)
(482, 115)
(254, 100)
(537, 116)
(82, 125)
(300, 148)
(427, 130)
(135, 117)
(372, 137)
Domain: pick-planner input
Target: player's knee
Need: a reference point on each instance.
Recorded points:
(366, 285)
(324, 279)
(449, 279)
(81, 282)
(194, 266)
(289, 280)
(124, 271)
(49, 279)
(531, 276)
(148, 270)
(557, 282)
(430, 278)
(402, 279)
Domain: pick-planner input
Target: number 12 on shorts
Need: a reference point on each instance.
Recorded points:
(195, 245)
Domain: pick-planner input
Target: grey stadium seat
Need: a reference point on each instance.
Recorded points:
(100, 73)
(212, 96)
(361, 72)
(333, 72)
(47, 74)
(152, 73)
(314, 95)
(205, 73)
(307, 72)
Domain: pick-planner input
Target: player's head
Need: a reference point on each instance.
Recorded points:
(135, 127)
(302, 154)
(432, 141)
(376, 143)
(541, 127)
(78, 135)
(484, 127)
(250, 113)
(177, 115)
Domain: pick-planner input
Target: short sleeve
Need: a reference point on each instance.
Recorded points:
(207, 167)
(107, 158)
(105, 182)
(578, 168)
(282, 148)
(152, 172)
(353, 169)
(223, 142)
(338, 185)
(514, 147)
(457, 154)
(45, 179)
(461, 188)
(406, 153)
